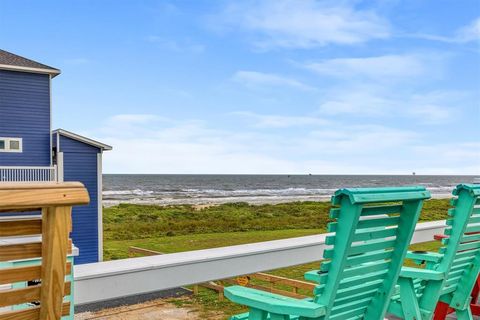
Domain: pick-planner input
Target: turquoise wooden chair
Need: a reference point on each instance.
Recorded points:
(358, 277)
(449, 276)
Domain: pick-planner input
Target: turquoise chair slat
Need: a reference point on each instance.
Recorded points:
(354, 297)
(374, 234)
(350, 291)
(373, 228)
(371, 246)
(369, 256)
(460, 262)
(463, 260)
(471, 237)
(365, 268)
(475, 218)
(470, 246)
(359, 303)
(359, 312)
(362, 279)
(350, 282)
(472, 229)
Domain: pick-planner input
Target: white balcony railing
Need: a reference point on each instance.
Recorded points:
(21, 174)
(96, 282)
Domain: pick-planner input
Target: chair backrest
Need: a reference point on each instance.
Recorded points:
(461, 250)
(361, 269)
(44, 297)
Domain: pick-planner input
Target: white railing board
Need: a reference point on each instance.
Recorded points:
(30, 174)
(109, 280)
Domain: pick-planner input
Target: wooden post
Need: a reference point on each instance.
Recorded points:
(55, 225)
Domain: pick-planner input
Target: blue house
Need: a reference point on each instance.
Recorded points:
(31, 151)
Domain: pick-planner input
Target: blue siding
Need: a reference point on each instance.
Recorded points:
(25, 113)
(80, 164)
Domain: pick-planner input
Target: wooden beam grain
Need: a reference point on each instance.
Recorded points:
(56, 225)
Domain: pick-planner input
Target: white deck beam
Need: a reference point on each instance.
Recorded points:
(121, 278)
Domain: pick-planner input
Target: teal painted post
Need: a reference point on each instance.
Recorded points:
(461, 215)
(409, 215)
(257, 314)
(348, 217)
(411, 310)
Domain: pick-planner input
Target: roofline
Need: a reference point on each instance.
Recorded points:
(53, 72)
(74, 136)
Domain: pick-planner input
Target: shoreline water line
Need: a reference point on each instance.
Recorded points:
(207, 202)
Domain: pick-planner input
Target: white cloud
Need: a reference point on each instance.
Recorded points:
(365, 100)
(193, 146)
(450, 158)
(431, 107)
(431, 114)
(470, 32)
(254, 79)
(303, 23)
(373, 67)
(466, 34)
(280, 121)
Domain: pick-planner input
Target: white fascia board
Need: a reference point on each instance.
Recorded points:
(52, 72)
(74, 136)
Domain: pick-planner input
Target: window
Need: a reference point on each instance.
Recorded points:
(14, 145)
(10, 144)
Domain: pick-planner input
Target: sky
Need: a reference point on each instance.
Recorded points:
(262, 87)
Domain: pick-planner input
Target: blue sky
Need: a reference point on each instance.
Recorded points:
(285, 86)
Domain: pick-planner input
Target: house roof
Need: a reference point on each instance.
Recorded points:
(10, 61)
(74, 136)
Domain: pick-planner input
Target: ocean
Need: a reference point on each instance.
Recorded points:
(169, 189)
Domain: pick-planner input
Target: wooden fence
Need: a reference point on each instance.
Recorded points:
(49, 276)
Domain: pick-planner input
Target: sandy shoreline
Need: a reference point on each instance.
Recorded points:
(208, 202)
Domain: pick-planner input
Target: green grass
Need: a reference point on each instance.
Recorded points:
(118, 249)
(131, 222)
(182, 228)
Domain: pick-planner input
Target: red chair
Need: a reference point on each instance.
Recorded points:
(443, 309)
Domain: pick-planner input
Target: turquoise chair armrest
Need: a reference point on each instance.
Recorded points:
(423, 274)
(419, 257)
(274, 303)
(312, 275)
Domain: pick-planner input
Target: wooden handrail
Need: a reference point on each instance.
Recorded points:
(55, 201)
(41, 195)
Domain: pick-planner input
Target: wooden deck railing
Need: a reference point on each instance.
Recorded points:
(55, 201)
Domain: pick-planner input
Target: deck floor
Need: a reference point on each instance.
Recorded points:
(151, 310)
(162, 309)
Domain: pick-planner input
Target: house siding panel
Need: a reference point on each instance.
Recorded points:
(80, 164)
(25, 113)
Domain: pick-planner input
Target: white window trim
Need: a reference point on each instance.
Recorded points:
(7, 145)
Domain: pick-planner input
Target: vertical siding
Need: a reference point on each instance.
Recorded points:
(80, 164)
(25, 113)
